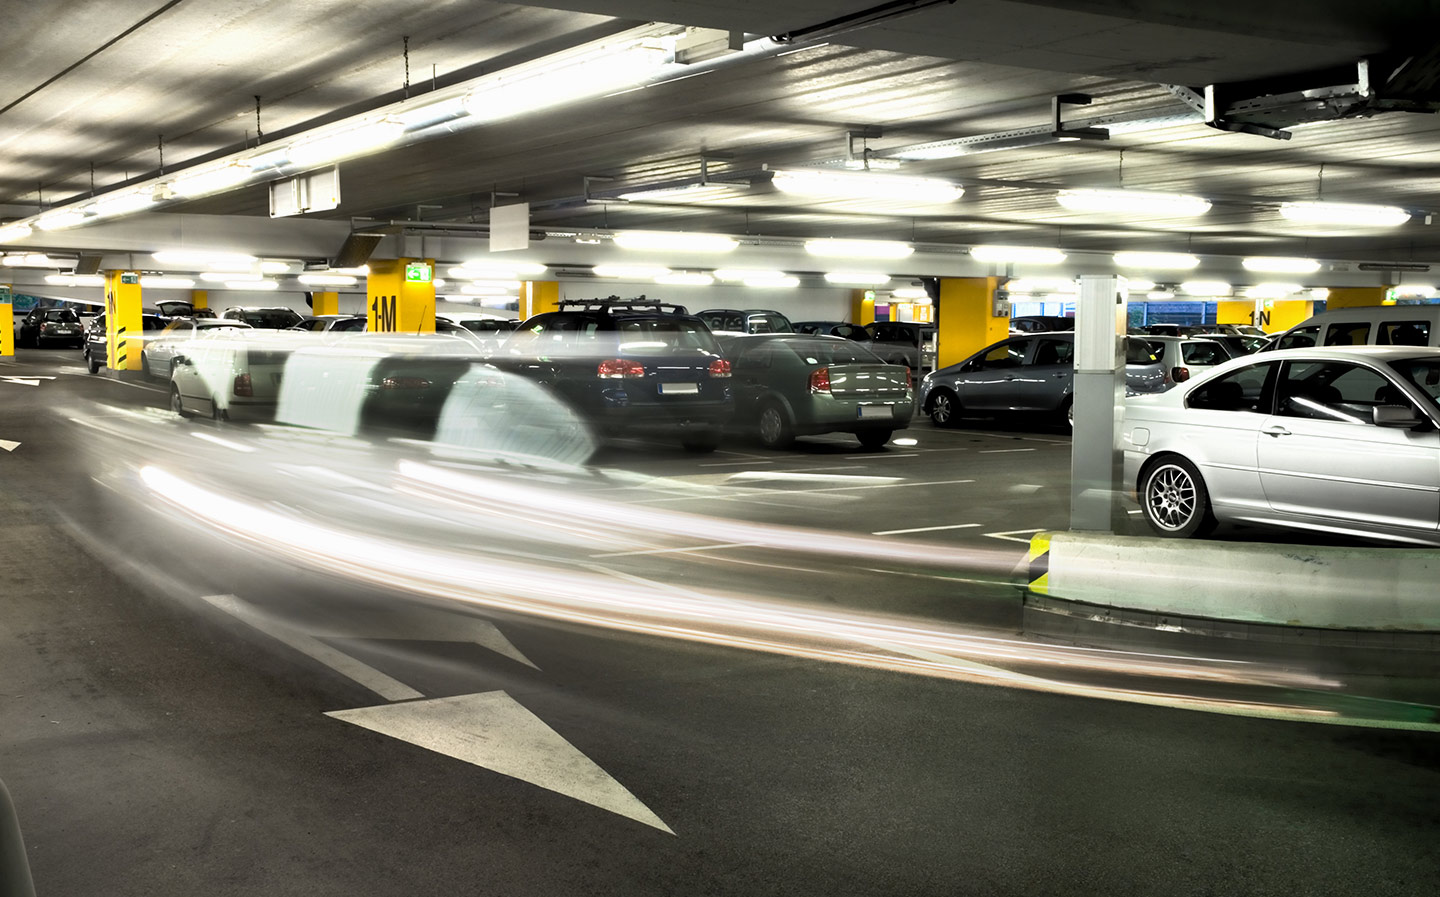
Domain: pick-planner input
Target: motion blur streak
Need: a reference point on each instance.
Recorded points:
(605, 598)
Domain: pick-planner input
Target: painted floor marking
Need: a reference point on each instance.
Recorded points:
(734, 463)
(439, 627)
(1005, 451)
(923, 529)
(342, 663)
(8, 445)
(494, 731)
(877, 456)
(770, 476)
(1013, 535)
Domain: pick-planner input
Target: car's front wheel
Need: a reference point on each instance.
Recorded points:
(177, 404)
(944, 408)
(1174, 499)
(91, 364)
(773, 427)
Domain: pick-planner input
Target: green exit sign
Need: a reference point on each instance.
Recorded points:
(130, 278)
(417, 273)
(6, 297)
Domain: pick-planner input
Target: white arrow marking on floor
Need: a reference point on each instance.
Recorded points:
(25, 381)
(492, 730)
(8, 446)
(420, 624)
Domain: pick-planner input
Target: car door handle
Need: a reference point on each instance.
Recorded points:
(1060, 375)
(1275, 430)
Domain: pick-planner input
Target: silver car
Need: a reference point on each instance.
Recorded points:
(1339, 440)
(1027, 374)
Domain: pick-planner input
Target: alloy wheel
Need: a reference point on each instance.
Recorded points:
(1171, 499)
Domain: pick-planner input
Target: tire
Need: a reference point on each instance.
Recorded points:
(874, 440)
(773, 427)
(177, 404)
(90, 364)
(144, 365)
(1067, 414)
(218, 414)
(1174, 499)
(944, 409)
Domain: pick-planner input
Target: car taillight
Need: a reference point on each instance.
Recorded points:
(1180, 375)
(719, 368)
(620, 368)
(243, 387)
(909, 379)
(820, 380)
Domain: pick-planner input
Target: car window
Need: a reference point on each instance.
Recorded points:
(1242, 390)
(757, 357)
(1157, 348)
(664, 334)
(1139, 351)
(1009, 354)
(1331, 390)
(1300, 338)
(1203, 353)
(1423, 373)
(1348, 333)
(1055, 352)
(1403, 333)
(724, 321)
(832, 352)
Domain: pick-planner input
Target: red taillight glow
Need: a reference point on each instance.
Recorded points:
(404, 383)
(820, 380)
(719, 368)
(909, 379)
(243, 387)
(1180, 375)
(620, 368)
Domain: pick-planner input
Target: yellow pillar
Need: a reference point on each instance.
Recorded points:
(968, 322)
(7, 321)
(400, 296)
(122, 320)
(538, 297)
(1235, 311)
(1356, 297)
(326, 302)
(1284, 314)
(200, 298)
(862, 307)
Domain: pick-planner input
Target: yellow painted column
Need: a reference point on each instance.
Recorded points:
(200, 298)
(538, 297)
(1235, 311)
(1284, 314)
(862, 307)
(968, 322)
(326, 302)
(123, 331)
(400, 296)
(7, 321)
(1356, 297)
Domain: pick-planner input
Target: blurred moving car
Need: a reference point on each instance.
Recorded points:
(161, 348)
(1340, 440)
(46, 326)
(1041, 324)
(491, 331)
(1380, 325)
(749, 320)
(276, 317)
(789, 385)
(94, 350)
(628, 367)
(229, 373)
(904, 342)
(1028, 374)
(834, 328)
(1186, 356)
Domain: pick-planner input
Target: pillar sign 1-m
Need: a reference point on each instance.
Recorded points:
(417, 272)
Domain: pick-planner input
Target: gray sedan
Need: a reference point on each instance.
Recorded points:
(1338, 440)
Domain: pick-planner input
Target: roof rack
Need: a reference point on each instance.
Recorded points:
(615, 303)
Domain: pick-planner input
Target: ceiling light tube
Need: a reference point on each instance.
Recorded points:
(687, 193)
(1160, 261)
(783, 281)
(1159, 295)
(159, 282)
(204, 181)
(910, 293)
(123, 203)
(630, 272)
(857, 278)
(1319, 293)
(859, 249)
(1344, 213)
(512, 270)
(60, 219)
(685, 279)
(1205, 288)
(1138, 286)
(503, 283)
(471, 289)
(12, 232)
(664, 241)
(1272, 290)
(1281, 265)
(327, 280)
(429, 114)
(1043, 285)
(1024, 255)
(356, 140)
(252, 285)
(357, 271)
(227, 276)
(1417, 290)
(233, 261)
(743, 274)
(595, 72)
(864, 185)
(275, 267)
(75, 280)
(1134, 202)
(35, 260)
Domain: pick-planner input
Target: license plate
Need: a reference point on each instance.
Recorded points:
(679, 389)
(869, 412)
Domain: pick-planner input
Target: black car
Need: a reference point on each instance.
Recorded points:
(1041, 323)
(628, 367)
(47, 326)
(93, 349)
(903, 342)
(745, 320)
(834, 328)
(267, 318)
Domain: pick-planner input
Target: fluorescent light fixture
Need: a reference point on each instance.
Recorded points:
(275, 267)
(685, 279)
(1138, 286)
(75, 280)
(327, 280)
(1159, 295)
(743, 274)
(1344, 213)
(492, 271)
(35, 260)
(665, 241)
(232, 261)
(357, 271)
(1272, 290)
(471, 289)
(12, 232)
(346, 142)
(1043, 285)
(272, 159)
(964, 146)
(631, 272)
(858, 278)
(59, 219)
(1134, 202)
(252, 285)
(1161, 261)
(438, 283)
(433, 113)
(1281, 265)
(707, 192)
(1319, 293)
(872, 164)
(910, 293)
(859, 249)
(553, 82)
(123, 203)
(227, 276)
(503, 283)
(783, 281)
(1415, 290)
(863, 185)
(203, 181)
(1205, 288)
(1025, 255)
(159, 282)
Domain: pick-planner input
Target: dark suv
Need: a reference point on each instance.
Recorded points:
(627, 367)
(267, 318)
(903, 342)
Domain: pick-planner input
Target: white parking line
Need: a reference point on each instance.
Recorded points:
(923, 529)
(878, 457)
(734, 463)
(1013, 535)
(1005, 451)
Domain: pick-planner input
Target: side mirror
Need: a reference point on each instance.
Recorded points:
(1398, 416)
(179, 360)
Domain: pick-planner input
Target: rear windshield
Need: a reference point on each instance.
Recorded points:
(657, 335)
(270, 318)
(63, 315)
(770, 324)
(824, 351)
(1139, 351)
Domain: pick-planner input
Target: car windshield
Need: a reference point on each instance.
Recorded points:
(827, 352)
(1424, 373)
(664, 334)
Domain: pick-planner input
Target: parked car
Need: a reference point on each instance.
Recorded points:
(179, 308)
(95, 350)
(748, 320)
(789, 385)
(834, 328)
(323, 323)
(266, 318)
(1379, 325)
(491, 331)
(1041, 324)
(1237, 330)
(628, 367)
(1186, 356)
(48, 326)
(903, 342)
(1028, 374)
(1235, 344)
(160, 348)
(1338, 440)
(229, 373)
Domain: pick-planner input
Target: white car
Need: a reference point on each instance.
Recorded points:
(1340, 440)
(1187, 356)
(158, 354)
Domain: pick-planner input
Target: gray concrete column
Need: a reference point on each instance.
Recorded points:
(1096, 458)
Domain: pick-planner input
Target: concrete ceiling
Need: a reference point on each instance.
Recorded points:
(105, 83)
